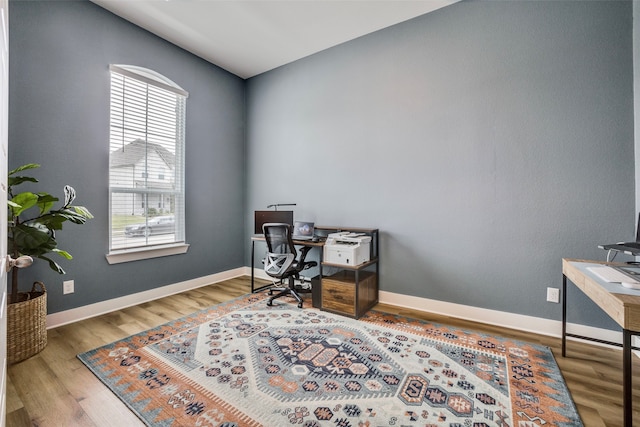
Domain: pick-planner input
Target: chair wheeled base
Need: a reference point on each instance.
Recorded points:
(291, 290)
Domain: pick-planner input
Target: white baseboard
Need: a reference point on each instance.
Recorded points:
(76, 314)
(519, 322)
(258, 272)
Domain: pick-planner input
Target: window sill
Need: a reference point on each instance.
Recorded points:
(117, 257)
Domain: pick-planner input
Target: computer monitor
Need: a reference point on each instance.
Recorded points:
(303, 230)
(263, 217)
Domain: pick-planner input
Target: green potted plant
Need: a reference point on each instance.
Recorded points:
(32, 226)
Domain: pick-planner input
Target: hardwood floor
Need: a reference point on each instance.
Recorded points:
(54, 388)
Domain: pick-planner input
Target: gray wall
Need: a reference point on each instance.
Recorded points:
(487, 141)
(60, 53)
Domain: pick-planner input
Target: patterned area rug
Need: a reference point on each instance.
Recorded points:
(243, 363)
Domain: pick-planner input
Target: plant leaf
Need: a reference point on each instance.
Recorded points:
(33, 239)
(24, 168)
(82, 211)
(62, 253)
(52, 221)
(55, 219)
(15, 180)
(69, 195)
(46, 202)
(23, 201)
(54, 265)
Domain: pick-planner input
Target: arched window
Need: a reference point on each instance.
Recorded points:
(146, 162)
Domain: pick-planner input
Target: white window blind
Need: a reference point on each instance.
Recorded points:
(146, 159)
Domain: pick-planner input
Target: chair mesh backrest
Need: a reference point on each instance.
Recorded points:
(278, 237)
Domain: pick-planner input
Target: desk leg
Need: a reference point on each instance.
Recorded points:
(253, 249)
(564, 315)
(627, 402)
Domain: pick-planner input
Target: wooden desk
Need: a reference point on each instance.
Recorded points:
(350, 292)
(624, 308)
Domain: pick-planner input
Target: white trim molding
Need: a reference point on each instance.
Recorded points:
(92, 310)
(148, 252)
(520, 322)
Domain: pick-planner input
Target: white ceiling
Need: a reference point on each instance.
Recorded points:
(249, 37)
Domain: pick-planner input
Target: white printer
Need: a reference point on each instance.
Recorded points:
(346, 248)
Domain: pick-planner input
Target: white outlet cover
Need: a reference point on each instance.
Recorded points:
(67, 287)
(553, 295)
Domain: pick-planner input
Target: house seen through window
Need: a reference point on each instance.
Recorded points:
(146, 159)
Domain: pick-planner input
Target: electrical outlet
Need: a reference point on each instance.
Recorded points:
(67, 287)
(553, 295)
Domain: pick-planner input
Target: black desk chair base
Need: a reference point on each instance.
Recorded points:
(291, 290)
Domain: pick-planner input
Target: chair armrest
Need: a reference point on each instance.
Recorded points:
(306, 265)
(303, 253)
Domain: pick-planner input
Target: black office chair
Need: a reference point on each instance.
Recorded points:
(280, 262)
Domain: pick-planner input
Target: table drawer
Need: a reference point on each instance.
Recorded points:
(339, 296)
(342, 294)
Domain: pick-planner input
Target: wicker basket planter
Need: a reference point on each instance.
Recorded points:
(27, 324)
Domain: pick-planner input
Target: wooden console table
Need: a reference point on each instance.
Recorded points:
(621, 306)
